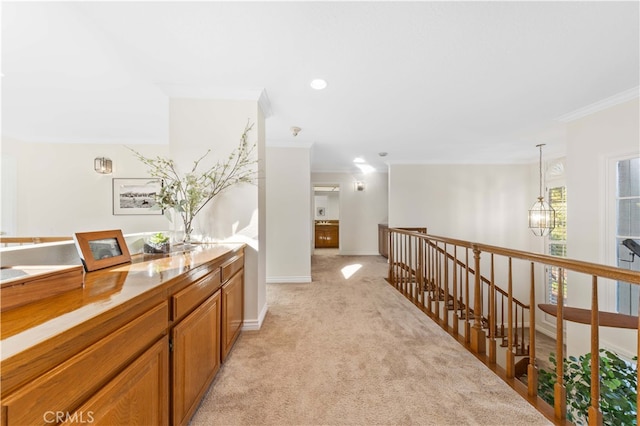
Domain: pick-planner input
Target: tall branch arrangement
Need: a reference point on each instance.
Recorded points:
(187, 194)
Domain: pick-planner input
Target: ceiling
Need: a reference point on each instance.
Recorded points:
(426, 82)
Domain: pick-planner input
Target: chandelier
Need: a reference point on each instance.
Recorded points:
(542, 217)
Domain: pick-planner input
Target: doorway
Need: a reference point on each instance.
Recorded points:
(326, 216)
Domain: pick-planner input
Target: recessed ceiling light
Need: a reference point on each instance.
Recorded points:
(358, 160)
(318, 84)
(382, 154)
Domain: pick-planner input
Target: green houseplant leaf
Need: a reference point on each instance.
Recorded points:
(618, 387)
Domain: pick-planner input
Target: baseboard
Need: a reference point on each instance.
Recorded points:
(289, 279)
(255, 325)
(358, 253)
(546, 330)
(620, 351)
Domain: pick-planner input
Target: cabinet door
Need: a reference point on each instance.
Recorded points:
(73, 382)
(196, 357)
(322, 237)
(232, 311)
(318, 238)
(333, 237)
(137, 396)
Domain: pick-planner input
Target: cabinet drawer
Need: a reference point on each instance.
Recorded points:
(72, 382)
(231, 266)
(188, 298)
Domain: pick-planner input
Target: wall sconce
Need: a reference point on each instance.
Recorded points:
(103, 165)
(359, 186)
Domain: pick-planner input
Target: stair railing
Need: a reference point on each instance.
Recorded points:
(12, 241)
(430, 270)
(431, 275)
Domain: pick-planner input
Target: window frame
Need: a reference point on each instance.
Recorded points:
(611, 216)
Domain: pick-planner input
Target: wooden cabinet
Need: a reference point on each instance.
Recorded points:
(327, 234)
(137, 396)
(232, 312)
(136, 346)
(65, 387)
(196, 357)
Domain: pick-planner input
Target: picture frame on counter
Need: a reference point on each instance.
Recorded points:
(101, 249)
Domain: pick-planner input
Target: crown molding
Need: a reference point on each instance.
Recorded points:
(619, 98)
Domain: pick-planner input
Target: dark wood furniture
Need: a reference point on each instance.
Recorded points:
(583, 316)
(138, 344)
(327, 234)
(21, 285)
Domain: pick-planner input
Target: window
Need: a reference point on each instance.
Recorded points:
(627, 227)
(557, 242)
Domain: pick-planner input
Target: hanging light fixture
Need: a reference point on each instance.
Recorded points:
(542, 217)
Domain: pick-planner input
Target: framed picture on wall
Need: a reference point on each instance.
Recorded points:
(136, 196)
(320, 211)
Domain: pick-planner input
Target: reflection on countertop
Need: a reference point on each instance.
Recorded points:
(327, 222)
(102, 291)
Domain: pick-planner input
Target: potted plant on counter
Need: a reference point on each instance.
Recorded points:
(157, 243)
(186, 194)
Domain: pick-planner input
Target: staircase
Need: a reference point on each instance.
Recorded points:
(422, 282)
(468, 289)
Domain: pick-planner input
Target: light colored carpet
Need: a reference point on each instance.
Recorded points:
(354, 351)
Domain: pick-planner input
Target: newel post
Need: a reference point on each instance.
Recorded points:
(478, 336)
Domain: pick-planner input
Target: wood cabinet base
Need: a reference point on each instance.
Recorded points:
(196, 358)
(145, 346)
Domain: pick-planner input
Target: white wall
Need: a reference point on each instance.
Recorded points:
(331, 203)
(197, 125)
(479, 203)
(288, 214)
(594, 143)
(57, 192)
(360, 211)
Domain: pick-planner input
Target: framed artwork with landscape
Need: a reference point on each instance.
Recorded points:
(136, 196)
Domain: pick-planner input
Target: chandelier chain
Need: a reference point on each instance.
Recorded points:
(540, 169)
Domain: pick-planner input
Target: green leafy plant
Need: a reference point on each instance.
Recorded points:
(618, 388)
(187, 194)
(159, 238)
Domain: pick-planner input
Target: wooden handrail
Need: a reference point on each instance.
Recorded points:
(423, 276)
(604, 271)
(31, 240)
(482, 277)
(518, 339)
